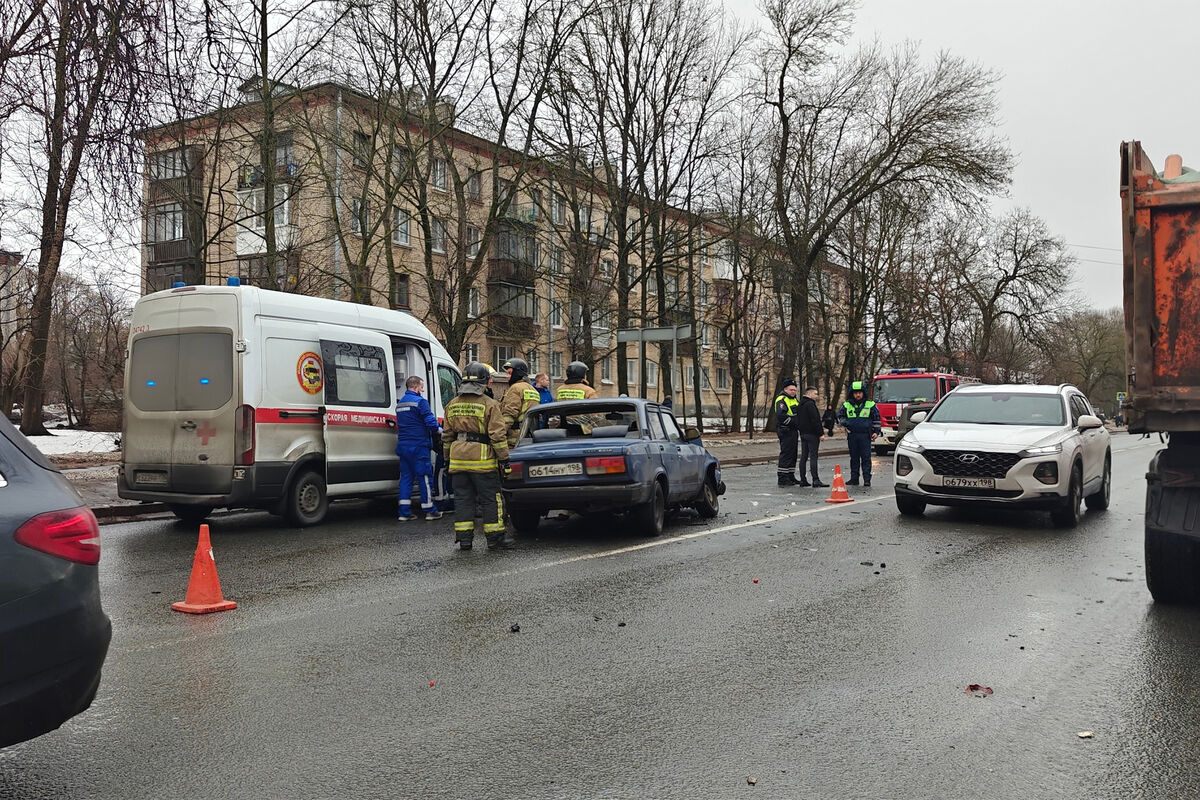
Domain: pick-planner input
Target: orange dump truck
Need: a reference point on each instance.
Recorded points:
(1161, 243)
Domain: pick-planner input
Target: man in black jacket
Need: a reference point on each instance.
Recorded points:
(808, 424)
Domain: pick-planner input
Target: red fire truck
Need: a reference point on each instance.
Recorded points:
(897, 388)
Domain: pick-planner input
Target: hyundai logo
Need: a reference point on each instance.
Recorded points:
(968, 458)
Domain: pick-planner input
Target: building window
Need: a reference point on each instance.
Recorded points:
(401, 227)
(583, 216)
(504, 191)
(631, 372)
(606, 369)
(474, 187)
(362, 149)
(558, 208)
(166, 223)
(437, 235)
(651, 373)
(704, 293)
(556, 314)
(473, 238)
(168, 164)
(606, 268)
(359, 209)
(400, 297)
(536, 309)
(556, 260)
(472, 303)
(535, 204)
(437, 296)
(502, 353)
(534, 361)
(470, 352)
(722, 378)
(437, 174)
(556, 365)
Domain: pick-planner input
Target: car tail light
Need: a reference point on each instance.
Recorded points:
(72, 534)
(516, 470)
(903, 465)
(243, 437)
(604, 465)
(1047, 472)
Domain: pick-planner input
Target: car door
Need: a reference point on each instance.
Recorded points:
(360, 411)
(691, 457)
(1095, 441)
(668, 451)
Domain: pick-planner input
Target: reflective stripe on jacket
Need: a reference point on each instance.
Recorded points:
(861, 417)
(519, 398)
(575, 391)
(785, 411)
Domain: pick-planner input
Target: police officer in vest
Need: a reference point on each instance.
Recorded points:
(575, 387)
(519, 397)
(785, 426)
(475, 442)
(860, 417)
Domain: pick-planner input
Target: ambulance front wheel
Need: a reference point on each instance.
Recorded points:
(306, 501)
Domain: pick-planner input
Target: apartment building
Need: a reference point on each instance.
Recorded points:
(389, 203)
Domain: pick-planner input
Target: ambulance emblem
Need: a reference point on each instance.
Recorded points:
(308, 372)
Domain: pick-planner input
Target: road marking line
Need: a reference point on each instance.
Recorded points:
(687, 536)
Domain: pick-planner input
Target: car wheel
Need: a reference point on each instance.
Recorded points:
(910, 506)
(306, 500)
(525, 520)
(1099, 500)
(1068, 514)
(649, 516)
(710, 502)
(881, 449)
(189, 513)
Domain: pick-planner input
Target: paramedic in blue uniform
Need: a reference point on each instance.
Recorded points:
(860, 417)
(415, 428)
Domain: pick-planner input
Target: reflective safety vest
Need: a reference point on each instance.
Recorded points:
(863, 412)
(792, 404)
(574, 391)
(519, 398)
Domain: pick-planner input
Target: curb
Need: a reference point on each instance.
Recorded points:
(746, 461)
(113, 513)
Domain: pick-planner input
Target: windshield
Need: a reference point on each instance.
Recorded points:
(1001, 408)
(905, 390)
(601, 421)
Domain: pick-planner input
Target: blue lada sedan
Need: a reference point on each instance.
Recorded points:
(623, 454)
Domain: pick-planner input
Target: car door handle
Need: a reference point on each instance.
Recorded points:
(391, 423)
(188, 426)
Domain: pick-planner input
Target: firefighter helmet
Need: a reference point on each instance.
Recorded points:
(475, 378)
(576, 371)
(519, 367)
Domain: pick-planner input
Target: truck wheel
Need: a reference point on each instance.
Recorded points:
(910, 506)
(709, 503)
(189, 513)
(1068, 514)
(648, 518)
(525, 520)
(1099, 500)
(1172, 555)
(306, 501)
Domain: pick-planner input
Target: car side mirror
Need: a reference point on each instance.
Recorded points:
(691, 434)
(1089, 421)
(919, 416)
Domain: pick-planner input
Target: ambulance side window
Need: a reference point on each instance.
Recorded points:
(355, 375)
(447, 383)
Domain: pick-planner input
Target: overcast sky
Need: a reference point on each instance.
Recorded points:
(1077, 79)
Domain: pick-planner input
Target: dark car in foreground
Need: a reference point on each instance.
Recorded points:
(619, 455)
(53, 633)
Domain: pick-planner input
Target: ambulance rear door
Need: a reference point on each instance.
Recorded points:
(359, 411)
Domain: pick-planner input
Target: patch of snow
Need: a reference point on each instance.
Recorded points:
(62, 441)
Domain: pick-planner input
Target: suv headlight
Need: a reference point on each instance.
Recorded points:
(909, 446)
(1048, 450)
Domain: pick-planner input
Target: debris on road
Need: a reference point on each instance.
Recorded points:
(976, 690)
(1085, 735)
(750, 779)
(515, 628)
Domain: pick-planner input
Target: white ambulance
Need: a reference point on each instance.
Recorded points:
(241, 397)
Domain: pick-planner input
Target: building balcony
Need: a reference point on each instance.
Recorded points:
(523, 214)
(163, 252)
(509, 327)
(252, 175)
(511, 271)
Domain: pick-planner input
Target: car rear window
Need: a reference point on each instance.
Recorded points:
(1001, 408)
(181, 372)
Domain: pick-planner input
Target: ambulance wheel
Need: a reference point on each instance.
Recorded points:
(306, 501)
(189, 513)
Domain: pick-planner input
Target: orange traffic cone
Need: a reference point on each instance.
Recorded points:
(839, 494)
(204, 589)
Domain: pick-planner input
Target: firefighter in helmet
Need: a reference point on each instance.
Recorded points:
(518, 398)
(575, 387)
(475, 442)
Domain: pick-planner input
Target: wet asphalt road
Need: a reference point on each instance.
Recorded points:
(370, 660)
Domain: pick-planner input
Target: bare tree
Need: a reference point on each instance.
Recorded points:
(1087, 348)
(848, 130)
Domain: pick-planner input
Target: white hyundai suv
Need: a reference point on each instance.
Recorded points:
(1011, 446)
